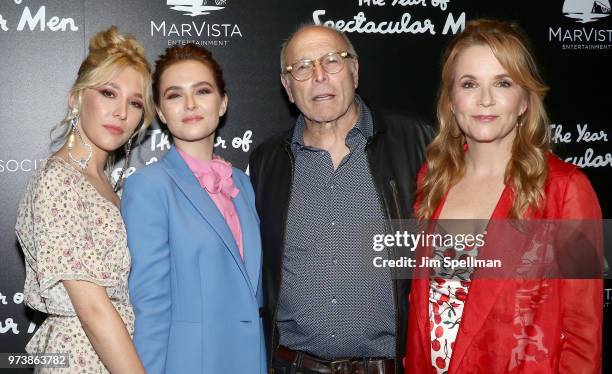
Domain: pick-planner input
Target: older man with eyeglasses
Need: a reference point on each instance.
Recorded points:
(340, 174)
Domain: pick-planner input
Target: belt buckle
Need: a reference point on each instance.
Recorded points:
(343, 366)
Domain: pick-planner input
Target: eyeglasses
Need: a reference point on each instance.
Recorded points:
(332, 63)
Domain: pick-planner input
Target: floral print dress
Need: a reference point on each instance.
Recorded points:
(448, 290)
(68, 231)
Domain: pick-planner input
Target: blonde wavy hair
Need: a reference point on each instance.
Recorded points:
(109, 53)
(527, 169)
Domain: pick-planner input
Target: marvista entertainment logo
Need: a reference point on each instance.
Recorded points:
(584, 11)
(195, 8)
(597, 36)
(199, 31)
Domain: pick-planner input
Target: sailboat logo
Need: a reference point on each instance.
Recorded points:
(196, 8)
(585, 11)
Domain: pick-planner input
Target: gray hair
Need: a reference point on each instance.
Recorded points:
(350, 47)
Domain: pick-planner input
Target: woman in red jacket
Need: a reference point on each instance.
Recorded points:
(491, 160)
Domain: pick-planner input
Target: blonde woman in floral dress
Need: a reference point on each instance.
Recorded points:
(69, 225)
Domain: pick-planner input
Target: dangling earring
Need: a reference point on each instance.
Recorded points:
(75, 130)
(126, 161)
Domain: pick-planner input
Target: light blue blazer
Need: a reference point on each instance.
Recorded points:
(195, 300)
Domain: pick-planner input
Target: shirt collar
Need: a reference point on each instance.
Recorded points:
(364, 125)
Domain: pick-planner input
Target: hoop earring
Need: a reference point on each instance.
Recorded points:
(75, 130)
(126, 161)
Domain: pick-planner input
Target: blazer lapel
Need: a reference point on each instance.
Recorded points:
(420, 286)
(251, 240)
(189, 185)
(483, 293)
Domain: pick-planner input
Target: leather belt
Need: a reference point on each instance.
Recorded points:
(363, 365)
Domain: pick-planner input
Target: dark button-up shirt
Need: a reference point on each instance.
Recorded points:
(333, 303)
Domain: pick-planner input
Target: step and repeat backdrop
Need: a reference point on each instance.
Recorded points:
(400, 42)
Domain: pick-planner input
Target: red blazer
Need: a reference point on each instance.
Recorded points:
(566, 326)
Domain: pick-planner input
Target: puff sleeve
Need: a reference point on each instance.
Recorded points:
(54, 229)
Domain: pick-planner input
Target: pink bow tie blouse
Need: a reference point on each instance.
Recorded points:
(215, 176)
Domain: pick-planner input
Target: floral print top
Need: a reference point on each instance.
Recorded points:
(448, 290)
(68, 231)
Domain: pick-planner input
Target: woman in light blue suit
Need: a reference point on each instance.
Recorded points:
(193, 234)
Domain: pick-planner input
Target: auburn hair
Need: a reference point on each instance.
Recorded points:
(527, 169)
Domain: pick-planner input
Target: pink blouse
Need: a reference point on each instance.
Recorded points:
(215, 176)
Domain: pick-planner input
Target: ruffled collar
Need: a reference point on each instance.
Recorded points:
(215, 175)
